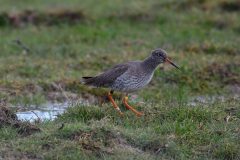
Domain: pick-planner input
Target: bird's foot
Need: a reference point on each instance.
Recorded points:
(139, 114)
(125, 100)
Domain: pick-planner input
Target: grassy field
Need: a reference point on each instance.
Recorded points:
(47, 46)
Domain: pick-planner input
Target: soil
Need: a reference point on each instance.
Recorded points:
(9, 118)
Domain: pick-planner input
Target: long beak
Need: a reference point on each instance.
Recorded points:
(167, 60)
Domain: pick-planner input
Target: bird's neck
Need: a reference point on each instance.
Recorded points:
(150, 64)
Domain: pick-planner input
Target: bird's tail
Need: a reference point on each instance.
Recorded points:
(87, 80)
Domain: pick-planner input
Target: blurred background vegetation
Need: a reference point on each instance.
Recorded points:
(45, 42)
(47, 46)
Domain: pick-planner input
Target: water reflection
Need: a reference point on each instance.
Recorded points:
(47, 111)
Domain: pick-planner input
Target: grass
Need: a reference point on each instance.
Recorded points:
(164, 132)
(200, 36)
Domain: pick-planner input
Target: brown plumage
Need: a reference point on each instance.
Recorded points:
(107, 78)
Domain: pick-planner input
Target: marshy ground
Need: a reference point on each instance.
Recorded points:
(47, 46)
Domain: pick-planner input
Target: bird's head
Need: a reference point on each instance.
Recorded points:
(160, 56)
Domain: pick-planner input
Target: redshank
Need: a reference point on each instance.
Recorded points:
(129, 77)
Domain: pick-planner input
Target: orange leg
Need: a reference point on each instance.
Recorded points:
(125, 99)
(114, 103)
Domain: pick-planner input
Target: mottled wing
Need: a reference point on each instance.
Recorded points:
(107, 78)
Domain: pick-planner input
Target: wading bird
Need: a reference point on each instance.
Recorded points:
(129, 77)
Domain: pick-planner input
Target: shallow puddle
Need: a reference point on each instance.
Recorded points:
(47, 111)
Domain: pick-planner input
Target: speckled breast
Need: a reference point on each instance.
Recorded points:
(131, 83)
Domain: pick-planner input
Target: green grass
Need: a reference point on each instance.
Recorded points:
(202, 37)
(164, 132)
